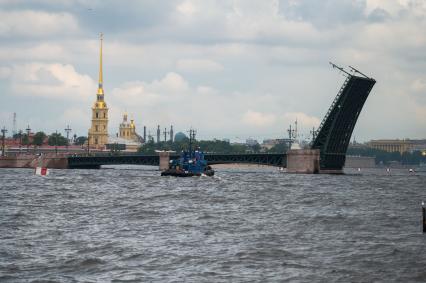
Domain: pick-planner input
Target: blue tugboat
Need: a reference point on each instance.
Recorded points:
(189, 164)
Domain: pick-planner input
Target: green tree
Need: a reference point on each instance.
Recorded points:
(80, 140)
(25, 139)
(255, 148)
(279, 148)
(57, 139)
(39, 138)
(214, 146)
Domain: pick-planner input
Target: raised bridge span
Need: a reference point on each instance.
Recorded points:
(96, 161)
(335, 131)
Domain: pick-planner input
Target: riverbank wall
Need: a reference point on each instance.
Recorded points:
(32, 161)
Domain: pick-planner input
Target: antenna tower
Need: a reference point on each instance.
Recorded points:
(14, 132)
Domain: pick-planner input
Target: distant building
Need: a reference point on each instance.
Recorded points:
(127, 138)
(357, 145)
(270, 143)
(127, 130)
(180, 137)
(251, 142)
(419, 145)
(397, 145)
(122, 144)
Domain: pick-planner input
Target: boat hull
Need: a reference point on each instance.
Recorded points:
(179, 173)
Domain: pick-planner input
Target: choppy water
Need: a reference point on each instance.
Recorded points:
(256, 225)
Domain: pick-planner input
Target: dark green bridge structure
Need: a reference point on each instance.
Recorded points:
(95, 161)
(335, 131)
(331, 139)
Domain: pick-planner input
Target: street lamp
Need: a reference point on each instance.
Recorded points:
(20, 140)
(56, 142)
(3, 131)
(68, 130)
(88, 143)
(28, 129)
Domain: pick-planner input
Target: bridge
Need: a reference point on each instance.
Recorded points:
(331, 140)
(95, 161)
(335, 131)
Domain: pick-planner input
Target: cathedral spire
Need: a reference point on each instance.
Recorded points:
(100, 87)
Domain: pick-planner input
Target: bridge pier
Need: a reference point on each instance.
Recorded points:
(164, 160)
(306, 161)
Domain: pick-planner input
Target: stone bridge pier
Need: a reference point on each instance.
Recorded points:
(305, 161)
(164, 160)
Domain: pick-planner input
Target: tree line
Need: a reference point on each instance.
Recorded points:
(213, 146)
(53, 139)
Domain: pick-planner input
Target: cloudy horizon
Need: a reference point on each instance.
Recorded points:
(230, 69)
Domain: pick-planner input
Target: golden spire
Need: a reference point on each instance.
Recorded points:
(100, 87)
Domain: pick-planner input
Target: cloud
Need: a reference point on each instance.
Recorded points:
(5, 72)
(206, 90)
(258, 119)
(172, 87)
(41, 52)
(172, 82)
(326, 13)
(36, 23)
(218, 61)
(77, 116)
(419, 85)
(198, 65)
(418, 95)
(55, 81)
(186, 8)
(303, 119)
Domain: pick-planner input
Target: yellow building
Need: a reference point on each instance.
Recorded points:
(98, 133)
(128, 130)
(400, 146)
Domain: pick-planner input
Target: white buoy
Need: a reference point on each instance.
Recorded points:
(41, 171)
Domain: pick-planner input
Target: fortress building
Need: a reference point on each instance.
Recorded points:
(98, 132)
(128, 130)
(127, 139)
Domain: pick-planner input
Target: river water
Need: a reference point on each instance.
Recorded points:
(128, 224)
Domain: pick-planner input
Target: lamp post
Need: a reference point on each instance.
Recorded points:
(28, 129)
(3, 131)
(56, 142)
(88, 143)
(68, 130)
(20, 140)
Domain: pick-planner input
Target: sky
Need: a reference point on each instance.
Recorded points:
(233, 69)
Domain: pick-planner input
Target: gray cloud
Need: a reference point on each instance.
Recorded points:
(257, 64)
(326, 13)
